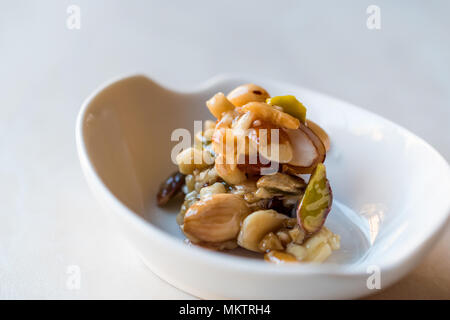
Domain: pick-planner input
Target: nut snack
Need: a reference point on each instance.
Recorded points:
(244, 184)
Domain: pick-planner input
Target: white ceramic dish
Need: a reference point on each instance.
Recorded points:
(391, 191)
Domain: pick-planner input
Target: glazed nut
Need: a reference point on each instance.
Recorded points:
(271, 143)
(257, 225)
(189, 200)
(279, 257)
(296, 250)
(270, 242)
(320, 246)
(217, 218)
(265, 112)
(229, 171)
(320, 133)
(219, 104)
(207, 135)
(208, 191)
(247, 93)
(192, 158)
(297, 235)
(335, 242)
(320, 254)
(284, 237)
(281, 182)
(209, 124)
(199, 138)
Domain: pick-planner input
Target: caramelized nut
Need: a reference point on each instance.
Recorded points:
(256, 226)
(297, 235)
(279, 257)
(229, 172)
(219, 104)
(215, 219)
(284, 237)
(265, 112)
(270, 242)
(190, 159)
(319, 246)
(208, 191)
(320, 133)
(282, 183)
(320, 254)
(297, 251)
(247, 93)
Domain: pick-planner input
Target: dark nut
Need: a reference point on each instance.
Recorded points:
(282, 183)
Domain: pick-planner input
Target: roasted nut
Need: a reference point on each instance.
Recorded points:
(319, 246)
(317, 239)
(189, 183)
(209, 124)
(308, 150)
(320, 133)
(272, 143)
(270, 242)
(247, 93)
(247, 186)
(297, 251)
(189, 200)
(256, 226)
(277, 152)
(190, 159)
(205, 178)
(219, 104)
(263, 193)
(279, 257)
(215, 219)
(243, 122)
(223, 139)
(320, 254)
(263, 111)
(170, 188)
(216, 188)
(229, 172)
(284, 237)
(297, 235)
(335, 241)
(203, 138)
(282, 183)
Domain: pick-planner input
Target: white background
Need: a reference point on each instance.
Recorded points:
(48, 218)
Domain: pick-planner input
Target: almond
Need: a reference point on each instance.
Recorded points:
(265, 112)
(216, 218)
(247, 93)
(279, 257)
(257, 225)
(219, 104)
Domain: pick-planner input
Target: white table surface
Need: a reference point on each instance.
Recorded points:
(49, 219)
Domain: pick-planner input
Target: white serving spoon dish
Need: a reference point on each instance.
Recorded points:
(391, 191)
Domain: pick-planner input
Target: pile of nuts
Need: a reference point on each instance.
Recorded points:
(230, 203)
